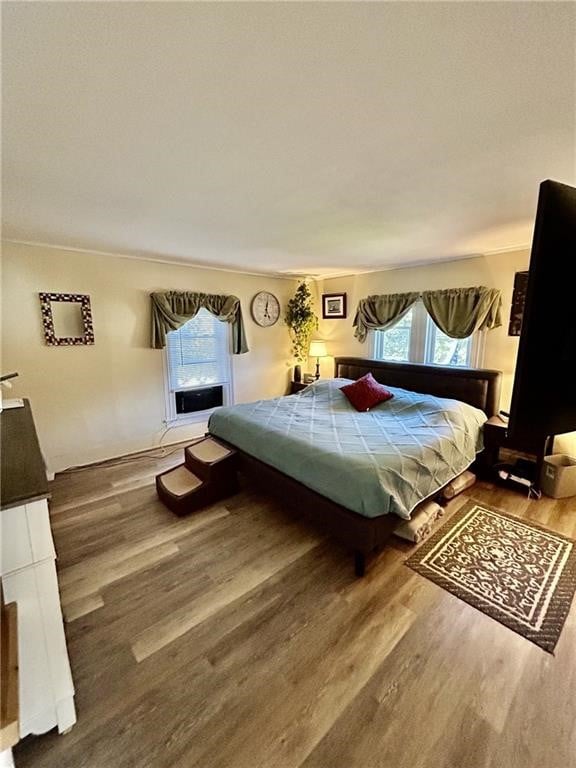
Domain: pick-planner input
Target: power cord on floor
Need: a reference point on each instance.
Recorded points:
(120, 460)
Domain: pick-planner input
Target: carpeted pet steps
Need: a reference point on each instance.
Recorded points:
(208, 475)
(213, 462)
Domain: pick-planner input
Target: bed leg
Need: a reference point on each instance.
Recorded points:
(359, 564)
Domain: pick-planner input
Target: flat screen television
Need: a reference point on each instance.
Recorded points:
(544, 393)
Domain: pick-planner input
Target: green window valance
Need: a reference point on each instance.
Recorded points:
(170, 310)
(458, 312)
(380, 312)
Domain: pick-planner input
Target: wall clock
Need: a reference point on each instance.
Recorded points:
(265, 309)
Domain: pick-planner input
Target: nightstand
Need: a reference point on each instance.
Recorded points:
(296, 386)
(496, 437)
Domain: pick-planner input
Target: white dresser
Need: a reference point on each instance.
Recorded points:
(28, 573)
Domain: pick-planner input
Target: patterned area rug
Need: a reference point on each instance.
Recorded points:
(517, 572)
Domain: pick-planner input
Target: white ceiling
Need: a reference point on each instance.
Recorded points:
(311, 138)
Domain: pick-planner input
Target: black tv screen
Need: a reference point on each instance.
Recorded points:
(544, 394)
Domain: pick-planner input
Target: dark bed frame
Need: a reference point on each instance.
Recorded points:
(365, 535)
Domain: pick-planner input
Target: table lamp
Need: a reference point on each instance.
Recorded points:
(318, 350)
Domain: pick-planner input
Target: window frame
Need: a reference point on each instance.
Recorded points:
(415, 343)
(421, 348)
(172, 418)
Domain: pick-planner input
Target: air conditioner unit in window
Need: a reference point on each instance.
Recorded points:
(192, 400)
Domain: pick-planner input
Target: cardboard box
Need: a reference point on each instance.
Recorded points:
(559, 476)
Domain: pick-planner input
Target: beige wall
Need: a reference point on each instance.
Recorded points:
(494, 271)
(92, 403)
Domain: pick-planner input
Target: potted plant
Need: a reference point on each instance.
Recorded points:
(302, 322)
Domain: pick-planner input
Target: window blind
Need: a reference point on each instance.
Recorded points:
(197, 353)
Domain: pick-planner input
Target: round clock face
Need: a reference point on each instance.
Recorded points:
(265, 308)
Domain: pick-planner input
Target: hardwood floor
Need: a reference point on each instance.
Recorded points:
(239, 637)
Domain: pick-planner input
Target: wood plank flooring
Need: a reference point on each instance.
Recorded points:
(239, 638)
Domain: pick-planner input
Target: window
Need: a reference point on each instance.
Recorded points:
(394, 343)
(197, 358)
(443, 350)
(417, 339)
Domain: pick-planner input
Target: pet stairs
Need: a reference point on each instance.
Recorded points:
(207, 475)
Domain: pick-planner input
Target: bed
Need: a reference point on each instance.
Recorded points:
(354, 473)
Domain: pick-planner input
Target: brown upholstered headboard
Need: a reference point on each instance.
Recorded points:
(477, 386)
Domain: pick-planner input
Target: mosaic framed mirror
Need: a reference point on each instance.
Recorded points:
(67, 319)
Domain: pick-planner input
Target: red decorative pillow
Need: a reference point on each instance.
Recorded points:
(365, 393)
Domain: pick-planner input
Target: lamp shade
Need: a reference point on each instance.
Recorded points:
(318, 349)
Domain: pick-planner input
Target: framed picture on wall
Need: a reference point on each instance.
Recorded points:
(518, 301)
(333, 306)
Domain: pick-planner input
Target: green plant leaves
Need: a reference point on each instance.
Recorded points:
(301, 321)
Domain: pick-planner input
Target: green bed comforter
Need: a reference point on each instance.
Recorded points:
(386, 460)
